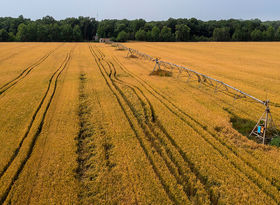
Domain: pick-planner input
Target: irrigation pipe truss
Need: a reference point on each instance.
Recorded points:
(217, 84)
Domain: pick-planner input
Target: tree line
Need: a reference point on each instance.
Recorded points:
(48, 29)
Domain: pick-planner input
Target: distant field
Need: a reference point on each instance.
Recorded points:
(82, 124)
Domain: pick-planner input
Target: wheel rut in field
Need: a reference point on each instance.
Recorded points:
(218, 144)
(134, 129)
(85, 144)
(272, 178)
(42, 109)
(94, 144)
(25, 72)
(160, 138)
(157, 139)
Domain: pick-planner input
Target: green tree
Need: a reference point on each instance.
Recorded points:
(268, 35)
(277, 34)
(88, 27)
(43, 33)
(122, 36)
(149, 36)
(55, 33)
(120, 27)
(27, 32)
(66, 31)
(106, 28)
(256, 35)
(32, 31)
(77, 34)
(22, 34)
(137, 24)
(182, 32)
(237, 35)
(140, 35)
(171, 23)
(12, 37)
(49, 29)
(165, 34)
(221, 34)
(48, 20)
(155, 33)
(4, 36)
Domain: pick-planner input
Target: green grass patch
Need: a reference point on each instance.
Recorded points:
(162, 73)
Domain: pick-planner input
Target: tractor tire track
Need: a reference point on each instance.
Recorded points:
(176, 112)
(25, 72)
(156, 170)
(44, 143)
(174, 144)
(155, 135)
(50, 91)
(29, 126)
(87, 140)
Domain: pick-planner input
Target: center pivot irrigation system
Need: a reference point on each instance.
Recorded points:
(265, 129)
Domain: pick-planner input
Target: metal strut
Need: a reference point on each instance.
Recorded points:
(265, 122)
(156, 65)
(265, 129)
(129, 53)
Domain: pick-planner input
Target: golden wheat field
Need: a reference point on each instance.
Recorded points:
(81, 123)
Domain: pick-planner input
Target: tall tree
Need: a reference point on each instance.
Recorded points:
(277, 34)
(12, 36)
(4, 36)
(269, 34)
(106, 28)
(155, 33)
(237, 35)
(182, 32)
(67, 31)
(49, 29)
(22, 34)
(43, 32)
(165, 34)
(122, 36)
(48, 20)
(257, 35)
(221, 34)
(77, 34)
(55, 33)
(141, 35)
(172, 23)
(137, 24)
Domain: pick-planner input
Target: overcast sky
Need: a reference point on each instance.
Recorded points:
(147, 9)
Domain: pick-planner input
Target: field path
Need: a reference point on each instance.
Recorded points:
(25, 72)
(21, 156)
(226, 150)
(85, 123)
(217, 143)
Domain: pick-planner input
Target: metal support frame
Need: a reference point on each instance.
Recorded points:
(129, 53)
(265, 126)
(218, 86)
(157, 65)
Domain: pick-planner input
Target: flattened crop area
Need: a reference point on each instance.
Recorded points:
(83, 124)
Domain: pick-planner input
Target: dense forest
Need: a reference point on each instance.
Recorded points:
(48, 29)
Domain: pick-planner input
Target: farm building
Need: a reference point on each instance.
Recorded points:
(104, 40)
